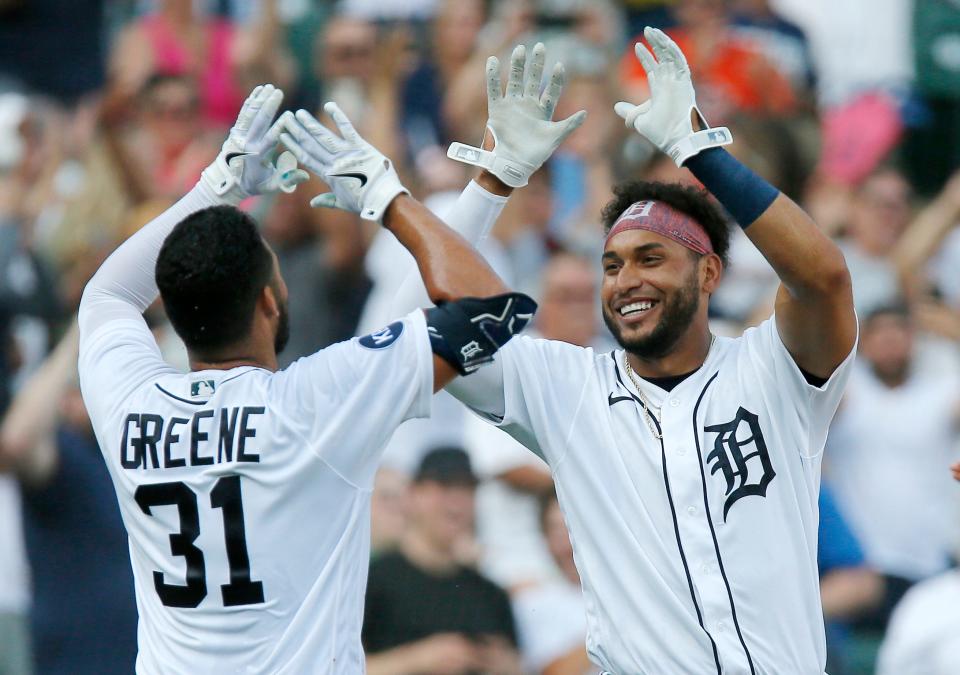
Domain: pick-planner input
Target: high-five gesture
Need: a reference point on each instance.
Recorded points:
(245, 165)
(665, 119)
(363, 180)
(520, 123)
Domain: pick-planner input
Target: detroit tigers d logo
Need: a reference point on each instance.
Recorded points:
(746, 473)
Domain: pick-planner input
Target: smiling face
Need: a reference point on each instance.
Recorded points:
(651, 291)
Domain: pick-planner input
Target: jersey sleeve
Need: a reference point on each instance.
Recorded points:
(543, 387)
(116, 359)
(768, 358)
(345, 401)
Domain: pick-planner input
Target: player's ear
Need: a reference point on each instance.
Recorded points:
(268, 301)
(711, 271)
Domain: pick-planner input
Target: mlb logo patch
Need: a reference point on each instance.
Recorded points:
(384, 337)
(202, 388)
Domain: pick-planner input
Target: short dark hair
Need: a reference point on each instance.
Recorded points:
(694, 202)
(210, 270)
(446, 465)
(897, 309)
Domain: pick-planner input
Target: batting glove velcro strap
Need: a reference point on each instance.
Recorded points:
(361, 178)
(520, 121)
(248, 163)
(466, 333)
(665, 119)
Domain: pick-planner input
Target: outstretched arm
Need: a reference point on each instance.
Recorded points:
(520, 137)
(125, 284)
(814, 310)
(814, 306)
(475, 313)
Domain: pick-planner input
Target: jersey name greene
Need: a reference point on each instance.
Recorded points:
(213, 436)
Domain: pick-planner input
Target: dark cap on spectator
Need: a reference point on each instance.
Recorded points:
(448, 465)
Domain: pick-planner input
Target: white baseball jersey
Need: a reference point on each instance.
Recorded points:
(246, 493)
(698, 551)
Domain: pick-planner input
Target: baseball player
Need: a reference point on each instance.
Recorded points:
(687, 465)
(245, 490)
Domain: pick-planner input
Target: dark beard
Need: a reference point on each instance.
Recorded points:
(677, 314)
(282, 337)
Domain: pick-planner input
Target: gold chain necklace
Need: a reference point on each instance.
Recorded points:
(648, 407)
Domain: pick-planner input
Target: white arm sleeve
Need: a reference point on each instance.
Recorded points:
(118, 352)
(125, 284)
(472, 216)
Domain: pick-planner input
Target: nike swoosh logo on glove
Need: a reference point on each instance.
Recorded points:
(359, 176)
(231, 155)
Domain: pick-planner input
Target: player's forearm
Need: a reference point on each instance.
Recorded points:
(128, 274)
(450, 267)
(808, 263)
(806, 260)
(29, 423)
(472, 216)
(925, 234)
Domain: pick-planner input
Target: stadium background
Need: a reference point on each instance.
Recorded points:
(109, 109)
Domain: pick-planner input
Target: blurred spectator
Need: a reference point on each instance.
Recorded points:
(179, 39)
(848, 588)
(361, 70)
(426, 611)
(551, 619)
(321, 257)
(83, 615)
(862, 76)
(731, 74)
(389, 507)
(346, 51)
(580, 170)
(889, 446)
(922, 636)
(781, 41)
(878, 216)
(28, 294)
(928, 254)
(168, 146)
(453, 36)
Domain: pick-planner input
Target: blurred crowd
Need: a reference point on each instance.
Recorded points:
(109, 109)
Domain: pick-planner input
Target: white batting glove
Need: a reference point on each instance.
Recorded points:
(363, 180)
(523, 133)
(245, 165)
(665, 119)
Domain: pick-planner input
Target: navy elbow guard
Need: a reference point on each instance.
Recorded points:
(466, 333)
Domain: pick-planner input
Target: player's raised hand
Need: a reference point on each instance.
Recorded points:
(665, 119)
(363, 180)
(248, 163)
(520, 121)
(955, 470)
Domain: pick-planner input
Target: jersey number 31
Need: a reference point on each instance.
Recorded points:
(225, 495)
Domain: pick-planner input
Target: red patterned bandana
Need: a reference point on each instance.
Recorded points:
(664, 220)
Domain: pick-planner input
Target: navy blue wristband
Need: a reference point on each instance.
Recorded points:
(744, 194)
